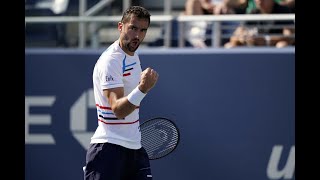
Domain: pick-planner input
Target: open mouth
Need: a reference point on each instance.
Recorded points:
(134, 43)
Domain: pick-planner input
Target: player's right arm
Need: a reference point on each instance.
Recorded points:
(120, 104)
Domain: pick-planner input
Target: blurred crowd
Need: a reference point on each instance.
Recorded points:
(251, 33)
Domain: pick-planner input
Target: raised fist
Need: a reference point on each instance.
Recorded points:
(148, 79)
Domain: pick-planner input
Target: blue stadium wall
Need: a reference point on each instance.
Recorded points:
(235, 110)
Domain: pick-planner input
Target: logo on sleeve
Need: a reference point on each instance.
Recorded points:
(109, 78)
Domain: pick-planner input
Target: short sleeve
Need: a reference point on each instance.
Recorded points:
(110, 73)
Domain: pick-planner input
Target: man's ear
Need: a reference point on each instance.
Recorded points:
(120, 26)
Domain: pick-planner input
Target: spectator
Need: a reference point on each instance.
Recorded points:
(231, 7)
(288, 3)
(279, 37)
(196, 31)
(198, 7)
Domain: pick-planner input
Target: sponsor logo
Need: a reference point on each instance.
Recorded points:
(109, 78)
(274, 170)
(78, 119)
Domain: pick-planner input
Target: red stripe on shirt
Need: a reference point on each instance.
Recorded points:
(109, 108)
(103, 107)
(117, 123)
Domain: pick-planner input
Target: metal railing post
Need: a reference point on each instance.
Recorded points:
(167, 35)
(82, 28)
(216, 35)
(181, 34)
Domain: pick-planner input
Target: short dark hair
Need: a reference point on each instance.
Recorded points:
(138, 11)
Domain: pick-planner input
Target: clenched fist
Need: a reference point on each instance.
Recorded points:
(148, 79)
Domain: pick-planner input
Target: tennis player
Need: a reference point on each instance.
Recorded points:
(119, 84)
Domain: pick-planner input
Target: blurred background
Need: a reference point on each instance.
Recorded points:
(178, 23)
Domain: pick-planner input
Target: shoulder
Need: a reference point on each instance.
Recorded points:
(112, 54)
(109, 61)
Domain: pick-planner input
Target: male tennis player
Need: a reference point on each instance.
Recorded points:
(119, 84)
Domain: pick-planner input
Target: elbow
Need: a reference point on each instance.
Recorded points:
(118, 114)
(121, 111)
(120, 117)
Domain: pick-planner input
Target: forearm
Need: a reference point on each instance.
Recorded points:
(275, 39)
(122, 108)
(119, 103)
(193, 7)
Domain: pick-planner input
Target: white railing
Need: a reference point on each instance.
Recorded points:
(167, 20)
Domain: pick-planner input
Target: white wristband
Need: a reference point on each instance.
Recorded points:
(136, 96)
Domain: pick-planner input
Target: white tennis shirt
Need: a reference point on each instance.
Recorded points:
(115, 68)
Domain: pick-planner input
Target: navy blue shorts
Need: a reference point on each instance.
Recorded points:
(106, 161)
